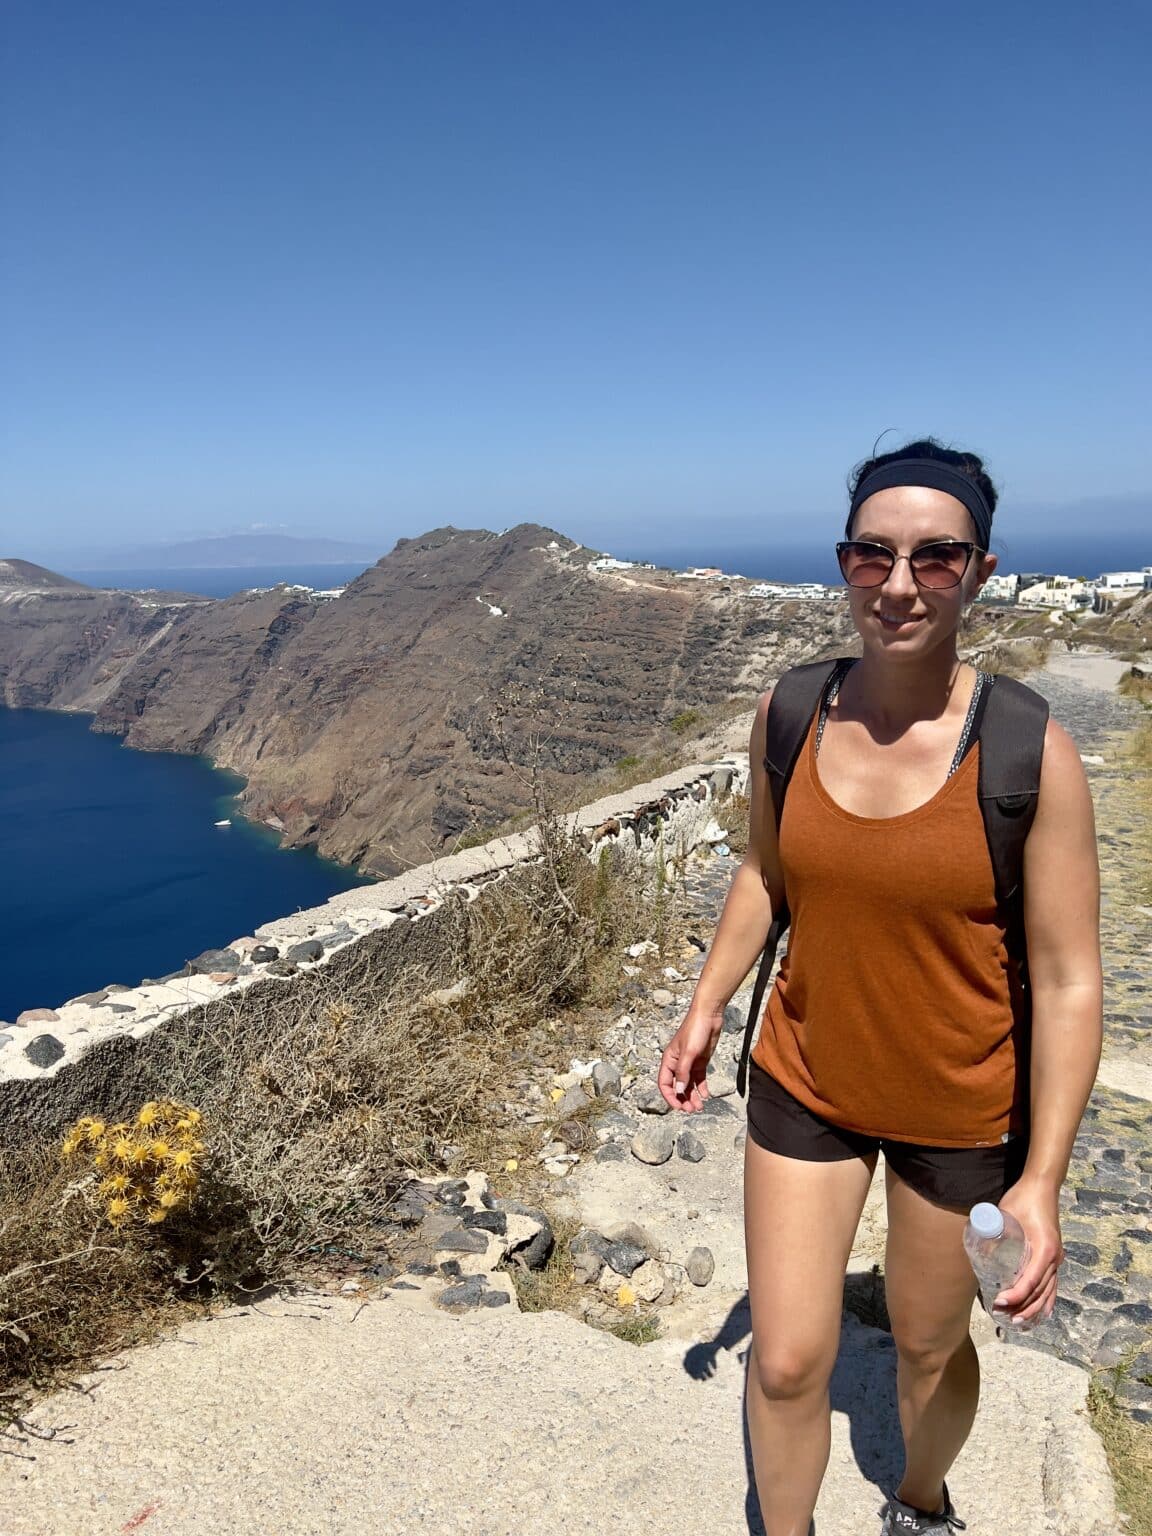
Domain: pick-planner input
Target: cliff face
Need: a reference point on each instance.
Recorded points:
(362, 722)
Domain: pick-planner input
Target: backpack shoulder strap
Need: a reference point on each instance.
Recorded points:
(790, 710)
(1011, 753)
(794, 700)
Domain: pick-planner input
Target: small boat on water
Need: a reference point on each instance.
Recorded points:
(225, 823)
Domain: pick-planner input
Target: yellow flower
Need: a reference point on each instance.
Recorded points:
(115, 1184)
(140, 1152)
(121, 1128)
(186, 1178)
(117, 1208)
(123, 1148)
(170, 1198)
(156, 1213)
(138, 1192)
(71, 1144)
(160, 1150)
(94, 1130)
(147, 1115)
(101, 1159)
(183, 1157)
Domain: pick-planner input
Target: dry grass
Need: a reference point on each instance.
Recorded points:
(320, 1098)
(1128, 1447)
(1015, 658)
(1136, 684)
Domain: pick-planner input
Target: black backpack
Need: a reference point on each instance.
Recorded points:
(1011, 735)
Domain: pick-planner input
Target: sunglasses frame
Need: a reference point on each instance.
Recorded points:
(966, 544)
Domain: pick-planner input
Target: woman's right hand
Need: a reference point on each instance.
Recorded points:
(681, 1079)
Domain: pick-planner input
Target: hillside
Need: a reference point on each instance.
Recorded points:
(362, 723)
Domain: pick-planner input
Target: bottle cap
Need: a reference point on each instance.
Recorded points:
(987, 1219)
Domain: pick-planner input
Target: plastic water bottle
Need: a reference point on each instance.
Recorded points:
(998, 1250)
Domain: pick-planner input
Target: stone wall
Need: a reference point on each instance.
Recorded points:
(108, 1050)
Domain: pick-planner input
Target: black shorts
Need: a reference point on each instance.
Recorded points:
(952, 1176)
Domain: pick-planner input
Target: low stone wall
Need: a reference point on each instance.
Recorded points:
(108, 1050)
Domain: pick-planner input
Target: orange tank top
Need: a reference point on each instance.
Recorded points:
(897, 1011)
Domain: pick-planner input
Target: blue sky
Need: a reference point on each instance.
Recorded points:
(644, 267)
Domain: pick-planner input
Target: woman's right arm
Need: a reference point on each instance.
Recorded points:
(755, 894)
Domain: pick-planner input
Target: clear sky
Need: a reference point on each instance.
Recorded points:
(366, 268)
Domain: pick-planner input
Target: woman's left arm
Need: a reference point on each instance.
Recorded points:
(1062, 924)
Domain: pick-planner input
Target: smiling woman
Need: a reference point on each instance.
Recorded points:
(898, 1021)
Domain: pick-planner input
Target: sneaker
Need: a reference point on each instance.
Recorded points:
(902, 1519)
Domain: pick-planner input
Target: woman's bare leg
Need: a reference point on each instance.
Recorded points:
(930, 1289)
(800, 1219)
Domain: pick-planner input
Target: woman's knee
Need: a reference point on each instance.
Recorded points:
(926, 1344)
(788, 1368)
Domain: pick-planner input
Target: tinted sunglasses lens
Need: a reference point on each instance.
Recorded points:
(940, 565)
(864, 565)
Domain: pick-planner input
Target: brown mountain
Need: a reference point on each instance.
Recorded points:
(362, 722)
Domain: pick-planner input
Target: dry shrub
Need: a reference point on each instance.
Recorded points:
(70, 1288)
(1136, 684)
(1014, 659)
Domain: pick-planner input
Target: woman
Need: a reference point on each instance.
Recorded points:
(895, 1020)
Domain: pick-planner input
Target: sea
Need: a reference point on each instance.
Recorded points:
(1126, 550)
(114, 869)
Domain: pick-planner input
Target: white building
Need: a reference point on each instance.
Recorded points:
(1000, 589)
(701, 573)
(610, 563)
(1057, 592)
(1111, 581)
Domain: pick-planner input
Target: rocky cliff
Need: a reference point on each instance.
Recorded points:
(362, 723)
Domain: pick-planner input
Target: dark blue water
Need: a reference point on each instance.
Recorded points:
(220, 581)
(772, 561)
(766, 561)
(112, 868)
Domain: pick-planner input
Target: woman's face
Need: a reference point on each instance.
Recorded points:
(899, 618)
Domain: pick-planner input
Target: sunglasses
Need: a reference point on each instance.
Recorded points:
(933, 565)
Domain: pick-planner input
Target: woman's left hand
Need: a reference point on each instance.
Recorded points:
(1032, 1295)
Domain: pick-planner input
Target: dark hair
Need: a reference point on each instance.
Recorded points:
(969, 464)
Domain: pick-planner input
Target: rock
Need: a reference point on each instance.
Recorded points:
(491, 1298)
(458, 1298)
(263, 953)
(690, 1147)
(649, 1100)
(653, 1142)
(734, 1020)
(647, 1281)
(720, 1085)
(92, 999)
(624, 1257)
(1102, 1290)
(464, 1240)
(574, 1134)
(487, 1221)
(216, 960)
(44, 1051)
(37, 1016)
(574, 1101)
(605, 1079)
(1134, 1311)
(307, 949)
(1117, 1342)
(700, 1266)
(1082, 1253)
(610, 1152)
(221, 977)
(662, 998)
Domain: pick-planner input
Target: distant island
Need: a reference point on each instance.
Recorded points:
(228, 552)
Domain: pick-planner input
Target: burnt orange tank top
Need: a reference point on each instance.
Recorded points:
(897, 1010)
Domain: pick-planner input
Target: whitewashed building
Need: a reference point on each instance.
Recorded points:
(1057, 592)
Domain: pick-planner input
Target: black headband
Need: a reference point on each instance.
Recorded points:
(935, 475)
